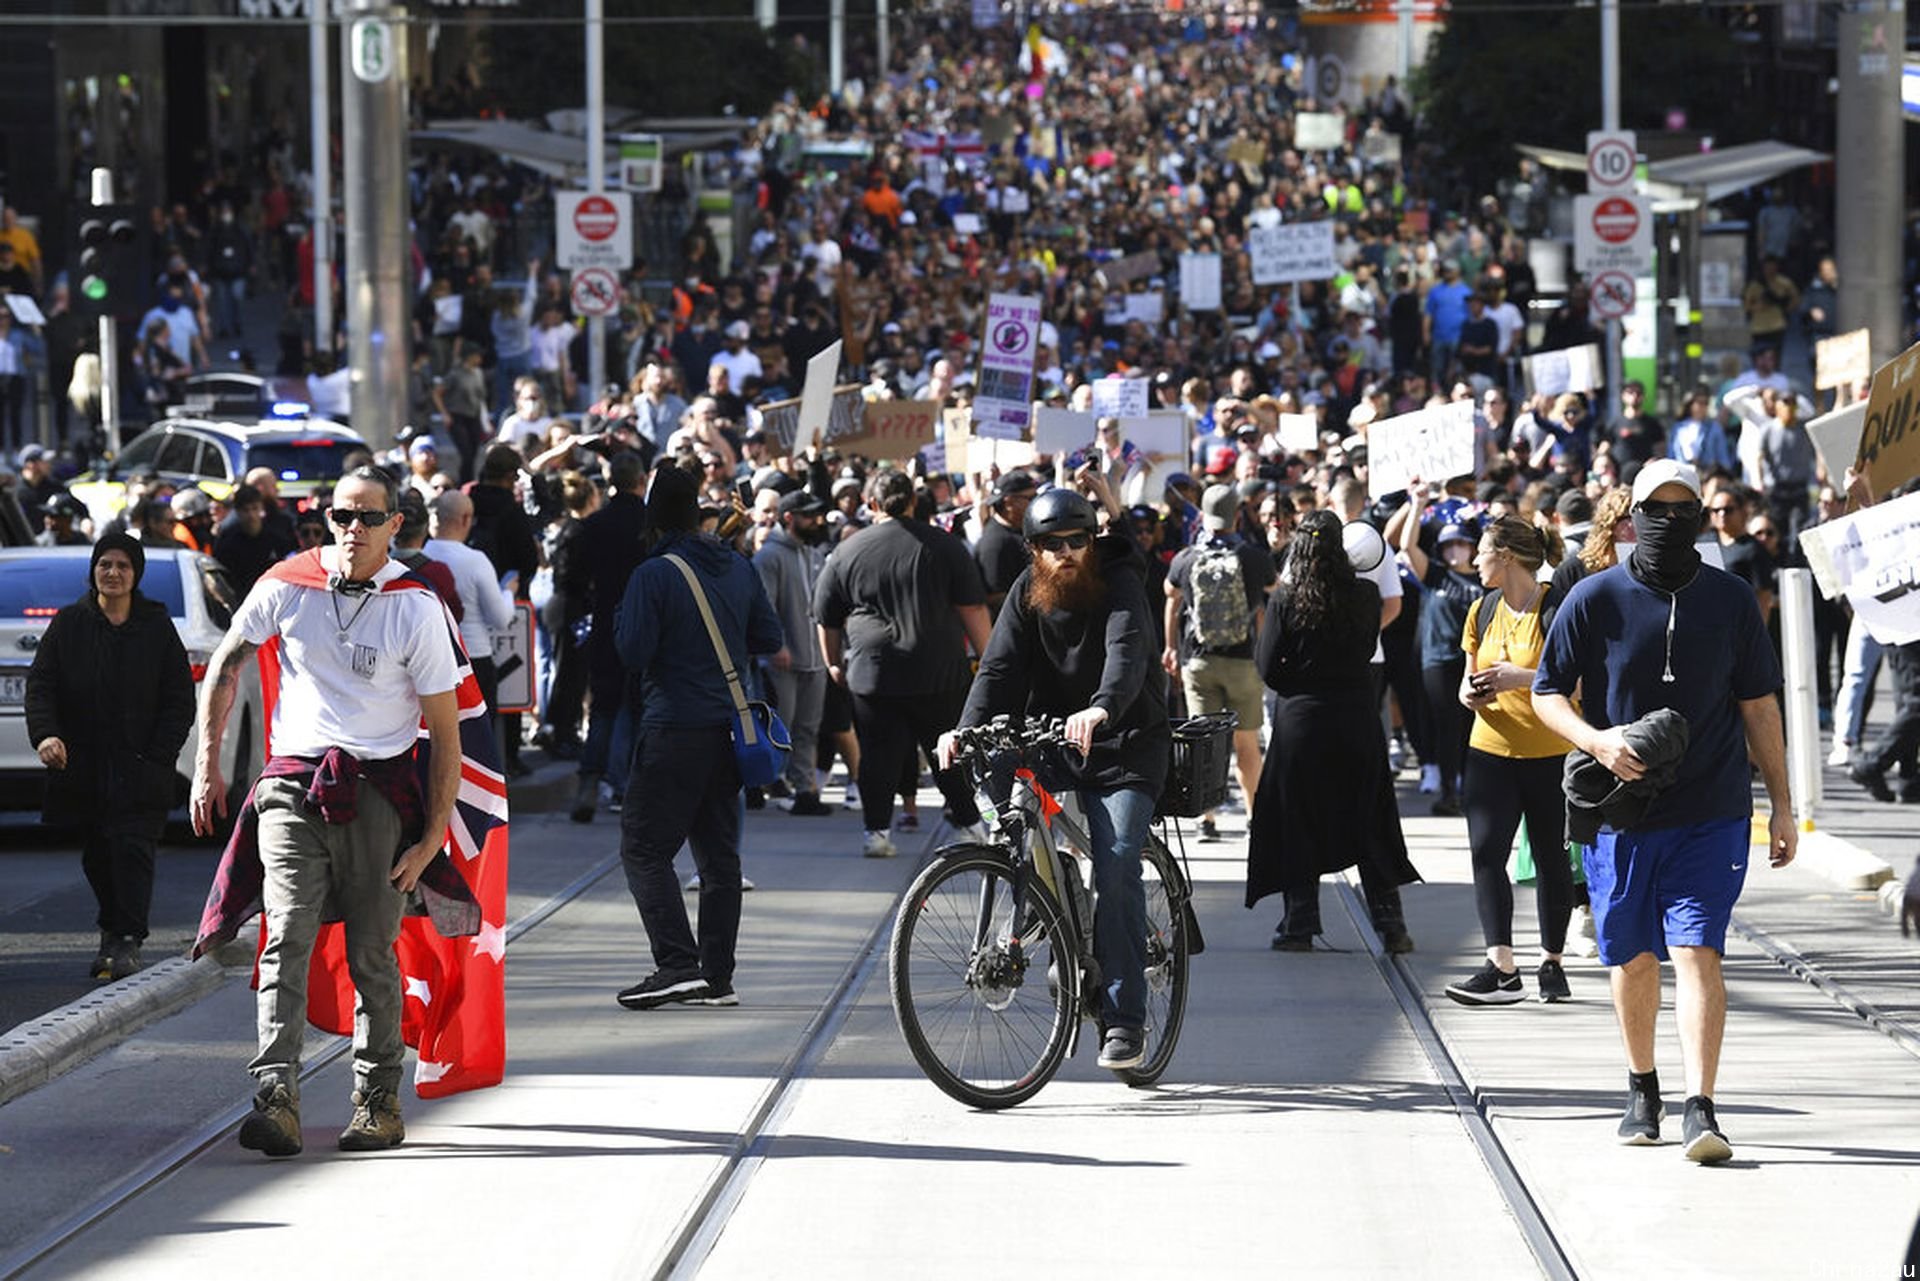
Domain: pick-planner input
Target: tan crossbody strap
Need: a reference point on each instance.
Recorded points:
(748, 732)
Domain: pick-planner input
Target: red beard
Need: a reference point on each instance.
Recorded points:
(1076, 589)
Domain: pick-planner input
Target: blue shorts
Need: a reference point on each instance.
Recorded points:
(1672, 886)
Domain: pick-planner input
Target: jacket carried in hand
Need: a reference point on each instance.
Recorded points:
(1597, 797)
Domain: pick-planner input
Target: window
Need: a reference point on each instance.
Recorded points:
(42, 583)
(220, 598)
(213, 459)
(179, 454)
(140, 453)
(320, 458)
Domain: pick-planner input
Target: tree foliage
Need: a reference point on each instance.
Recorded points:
(1495, 77)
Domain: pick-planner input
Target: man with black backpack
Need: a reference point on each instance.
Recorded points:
(1215, 590)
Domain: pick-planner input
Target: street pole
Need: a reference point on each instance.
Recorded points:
(836, 46)
(1870, 172)
(883, 35)
(1403, 18)
(109, 340)
(1610, 120)
(373, 101)
(597, 177)
(322, 225)
(767, 12)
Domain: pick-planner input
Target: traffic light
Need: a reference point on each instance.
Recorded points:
(110, 263)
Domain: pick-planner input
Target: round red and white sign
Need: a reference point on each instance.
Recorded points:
(1616, 220)
(595, 218)
(1611, 164)
(1612, 295)
(596, 292)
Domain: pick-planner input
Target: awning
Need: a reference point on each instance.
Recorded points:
(564, 155)
(1714, 174)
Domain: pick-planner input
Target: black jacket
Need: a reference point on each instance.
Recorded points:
(121, 699)
(1057, 663)
(610, 547)
(501, 530)
(1596, 797)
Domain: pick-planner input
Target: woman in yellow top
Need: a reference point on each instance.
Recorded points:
(1513, 766)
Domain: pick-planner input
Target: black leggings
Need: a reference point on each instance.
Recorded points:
(1448, 722)
(1500, 790)
(891, 726)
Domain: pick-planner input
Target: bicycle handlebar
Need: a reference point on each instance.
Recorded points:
(1006, 733)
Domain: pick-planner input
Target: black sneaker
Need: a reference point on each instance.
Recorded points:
(1285, 942)
(1872, 780)
(1394, 937)
(1446, 807)
(808, 805)
(1123, 1047)
(1488, 985)
(585, 793)
(1700, 1133)
(659, 989)
(125, 957)
(1209, 831)
(756, 799)
(778, 790)
(1640, 1123)
(102, 965)
(720, 993)
(1552, 981)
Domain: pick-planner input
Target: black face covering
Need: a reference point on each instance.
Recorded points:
(1664, 557)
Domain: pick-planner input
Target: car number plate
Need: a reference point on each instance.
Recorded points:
(13, 691)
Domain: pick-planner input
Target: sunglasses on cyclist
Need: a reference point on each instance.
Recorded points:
(1062, 542)
(345, 516)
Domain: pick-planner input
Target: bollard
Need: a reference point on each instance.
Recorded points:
(1803, 706)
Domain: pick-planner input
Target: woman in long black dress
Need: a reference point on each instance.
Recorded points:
(1325, 798)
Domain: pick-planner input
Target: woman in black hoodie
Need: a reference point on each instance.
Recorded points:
(109, 704)
(1075, 639)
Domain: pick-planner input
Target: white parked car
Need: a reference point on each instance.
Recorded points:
(38, 582)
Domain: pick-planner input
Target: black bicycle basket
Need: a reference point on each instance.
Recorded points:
(1202, 752)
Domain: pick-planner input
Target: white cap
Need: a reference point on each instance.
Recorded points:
(1664, 471)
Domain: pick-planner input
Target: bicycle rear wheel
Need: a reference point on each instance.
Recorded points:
(986, 1020)
(1167, 949)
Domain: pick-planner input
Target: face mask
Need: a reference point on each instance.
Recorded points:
(1663, 556)
(173, 303)
(814, 533)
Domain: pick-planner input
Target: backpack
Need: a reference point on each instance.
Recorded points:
(1220, 615)
(1490, 605)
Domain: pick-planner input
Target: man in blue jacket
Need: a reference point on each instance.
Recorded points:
(684, 785)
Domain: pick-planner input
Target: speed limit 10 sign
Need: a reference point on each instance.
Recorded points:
(1612, 157)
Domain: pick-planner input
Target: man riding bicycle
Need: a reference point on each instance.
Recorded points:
(1075, 639)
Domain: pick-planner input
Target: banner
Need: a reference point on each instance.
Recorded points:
(891, 429)
(1292, 251)
(1433, 444)
(1553, 373)
(1842, 360)
(1116, 397)
(1890, 445)
(1004, 399)
(1872, 557)
(1061, 431)
(816, 398)
(1200, 282)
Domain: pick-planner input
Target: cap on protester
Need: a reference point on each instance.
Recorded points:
(738, 329)
(1012, 485)
(33, 454)
(1218, 507)
(802, 502)
(1454, 534)
(422, 445)
(1664, 471)
(189, 503)
(754, 435)
(1574, 507)
(1223, 462)
(773, 478)
(844, 486)
(1140, 511)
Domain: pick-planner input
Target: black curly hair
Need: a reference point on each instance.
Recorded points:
(1319, 575)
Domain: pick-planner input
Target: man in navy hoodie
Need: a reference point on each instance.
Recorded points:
(684, 785)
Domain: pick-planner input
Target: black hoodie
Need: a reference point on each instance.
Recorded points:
(1058, 663)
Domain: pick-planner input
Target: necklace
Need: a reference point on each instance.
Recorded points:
(344, 626)
(1513, 619)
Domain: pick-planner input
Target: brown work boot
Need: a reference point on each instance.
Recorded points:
(376, 1121)
(274, 1125)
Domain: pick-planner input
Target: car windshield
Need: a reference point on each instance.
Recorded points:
(317, 459)
(34, 587)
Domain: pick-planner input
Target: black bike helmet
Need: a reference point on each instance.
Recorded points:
(1059, 511)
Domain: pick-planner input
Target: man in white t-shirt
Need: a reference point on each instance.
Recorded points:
(484, 608)
(1348, 497)
(341, 826)
(740, 363)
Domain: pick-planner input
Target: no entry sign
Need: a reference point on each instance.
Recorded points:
(593, 230)
(1612, 233)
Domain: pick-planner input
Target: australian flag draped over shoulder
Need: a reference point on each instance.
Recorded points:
(454, 1011)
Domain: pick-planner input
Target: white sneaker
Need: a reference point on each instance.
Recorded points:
(1429, 779)
(1396, 754)
(879, 845)
(693, 883)
(1581, 939)
(853, 796)
(973, 833)
(1841, 755)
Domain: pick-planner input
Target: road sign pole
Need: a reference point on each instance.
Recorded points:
(109, 340)
(597, 177)
(322, 134)
(1610, 121)
(373, 100)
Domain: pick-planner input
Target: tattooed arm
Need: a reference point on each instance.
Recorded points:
(216, 703)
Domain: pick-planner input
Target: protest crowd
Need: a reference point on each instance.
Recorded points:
(1235, 333)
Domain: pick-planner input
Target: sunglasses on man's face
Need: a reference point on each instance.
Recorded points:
(1062, 542)
(345, 516)
(1689, 509)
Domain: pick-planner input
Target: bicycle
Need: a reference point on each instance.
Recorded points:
(991, 967)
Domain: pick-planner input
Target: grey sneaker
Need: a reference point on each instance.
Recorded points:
(1700, 1133)
(376, 1122)
(1123, 1047)
(273, 1127)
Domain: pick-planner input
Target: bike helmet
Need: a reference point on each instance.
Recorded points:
(1059, 511)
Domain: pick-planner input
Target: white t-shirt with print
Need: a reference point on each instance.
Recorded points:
(363, 693)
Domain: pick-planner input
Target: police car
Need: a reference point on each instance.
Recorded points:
(36, 582)
(306, 453)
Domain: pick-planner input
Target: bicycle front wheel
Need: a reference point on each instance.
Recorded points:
(1167, 947)
(978, 994)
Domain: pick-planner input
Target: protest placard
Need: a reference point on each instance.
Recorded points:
(1837, 437)
(1200, 282)
(1842, 360)
(1004, 400)
(1292, 251)
(1890, 445)
(892, 429)
(984, 455)
(1124, 271)
(1148, 308)
(1299, 433)
(1553, 373)
(1061, 431)
(1117, 397)
(816, 398)
(1872, 557)
(1432, 444)
(27, 312)
(1319, 130)
(1160, 434)
(968, 224)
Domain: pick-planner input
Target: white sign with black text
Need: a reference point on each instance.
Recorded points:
(1431, 444)
(1292, 251)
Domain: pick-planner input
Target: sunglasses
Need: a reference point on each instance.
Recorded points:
(1721, 510)
(1062, 542)
(1689, 510)
(345, 516)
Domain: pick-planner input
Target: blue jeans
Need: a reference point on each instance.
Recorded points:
(1117, 823)
(1861, 666)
